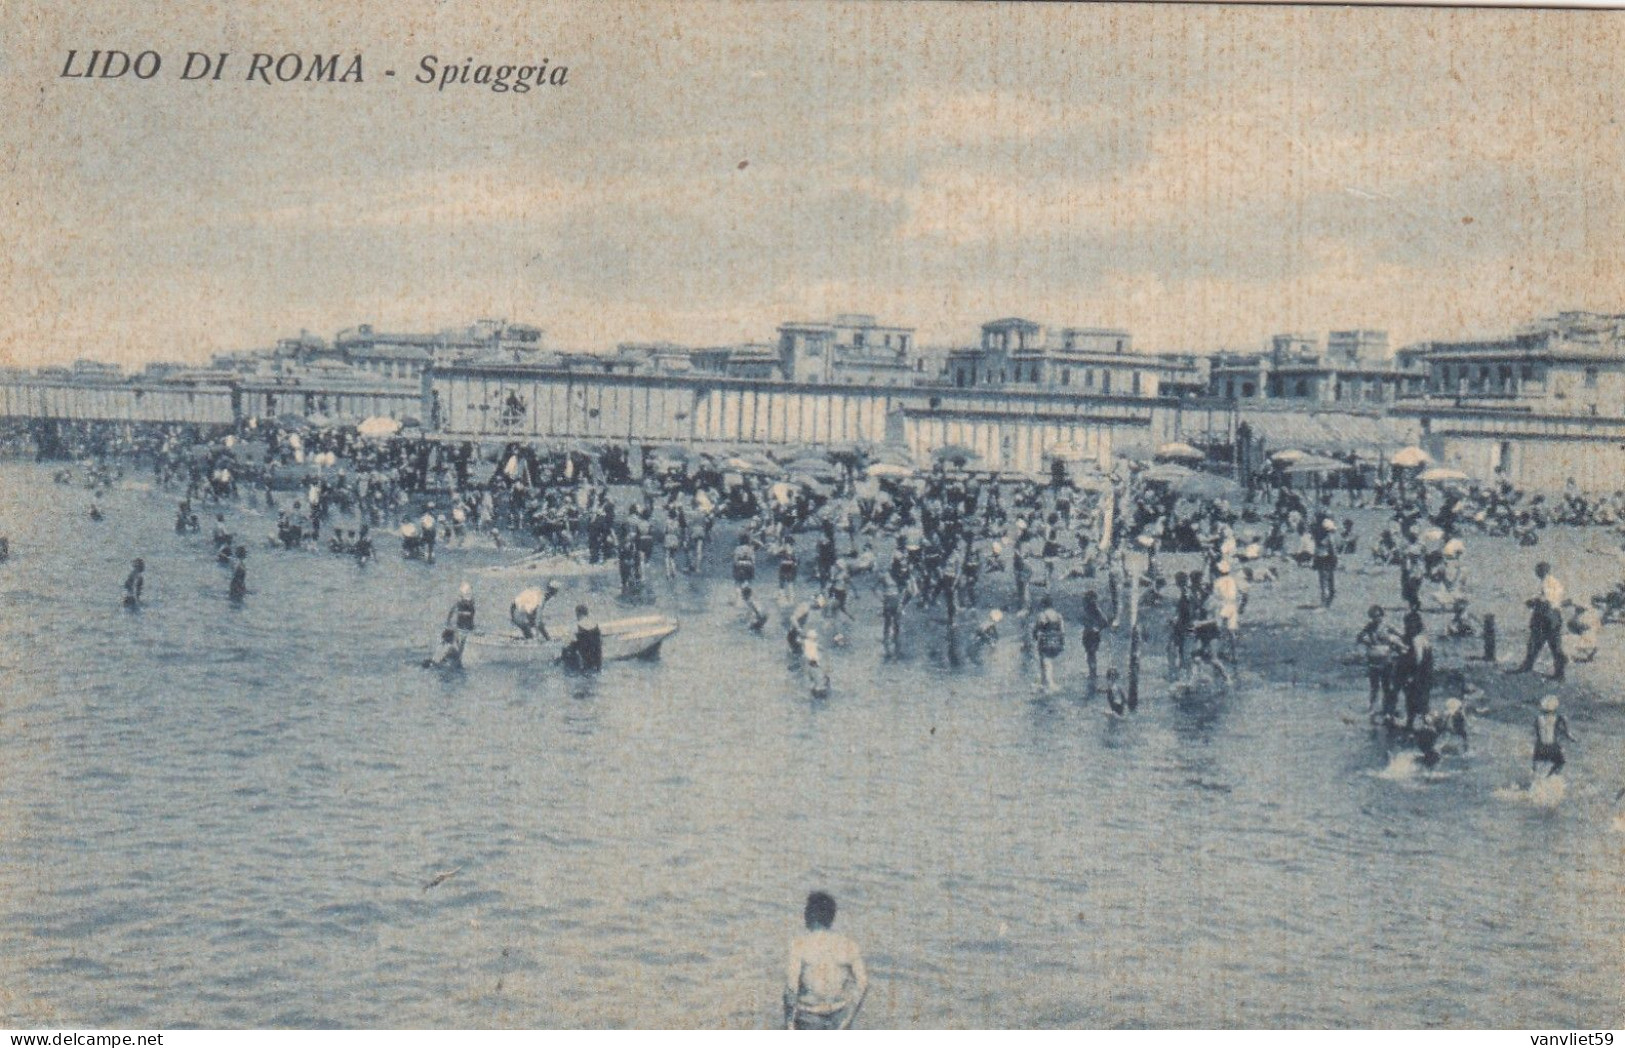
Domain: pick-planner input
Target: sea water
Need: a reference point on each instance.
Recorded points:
(231, 817)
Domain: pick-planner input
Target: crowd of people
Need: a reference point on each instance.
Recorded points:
(1115, 555)
(1113, 558)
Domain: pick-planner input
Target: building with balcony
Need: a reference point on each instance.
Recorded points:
(1572, 363)
(1354, 370)
(85, 370)
(851, 349)
(1096, 361)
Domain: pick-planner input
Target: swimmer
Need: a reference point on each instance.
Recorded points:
(891, 617)
(526, 610)
(134, 583)
(461, 615)
(1381, 647)
(988, 631)
(239, 577)
(449, 656)
(744, 562)
(1049, 636)
(1114, 698)
(798, 627)
(1454, 721)
(1550, 728)
(586, 652)
(758, 617)
(825, 981)
(817, 676)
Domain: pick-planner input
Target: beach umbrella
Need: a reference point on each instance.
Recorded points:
(378, 426)
(887, 469)
(1411, 456)
(1442, 475)
(1288, 457)
(1181, 452)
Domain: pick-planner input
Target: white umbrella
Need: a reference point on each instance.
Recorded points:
(887, 469)
(1179, 450)
(1442, 475)
(1290, 455)
(1411, 456)
(378, 426)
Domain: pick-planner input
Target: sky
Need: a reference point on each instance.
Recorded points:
(1203, 176)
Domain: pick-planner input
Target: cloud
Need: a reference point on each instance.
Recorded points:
(1201, 175)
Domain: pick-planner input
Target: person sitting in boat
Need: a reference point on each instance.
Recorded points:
(526, 610)
(586, 652)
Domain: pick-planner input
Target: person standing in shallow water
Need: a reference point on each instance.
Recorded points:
(1415, 669)
(1545, 622)
(1550, 730)
(586, 652)
(134, 583)
(825, 981)
(1325, 561)
(461, 615)
(239, 576)
(1049, 636)
(1094, 625)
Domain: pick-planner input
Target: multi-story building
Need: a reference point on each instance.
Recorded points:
(1018, 352)
(852, 348)
(757, 360)
(656, 358)
(85, 370)
(388, 355)
(1355, 369)
(1356, 347)
(1187, 375)
(1570, 363)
